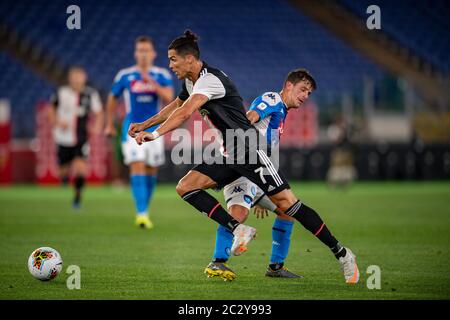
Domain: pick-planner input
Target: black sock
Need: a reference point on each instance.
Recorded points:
(220, 260)
(207, 204)
(65, 180)
(312, 222)
(276, 266)
(339, 251)
(79, 184)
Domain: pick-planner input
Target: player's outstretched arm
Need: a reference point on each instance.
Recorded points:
(158, 118)
(110, 129)
(176, 118)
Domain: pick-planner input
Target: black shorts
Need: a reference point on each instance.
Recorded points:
(67, 154)
(263, 174)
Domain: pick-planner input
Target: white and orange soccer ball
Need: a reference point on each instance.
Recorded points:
(45, 263)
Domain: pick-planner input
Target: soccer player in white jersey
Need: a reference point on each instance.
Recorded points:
(144, 87)
(211, 92)
(69, 116)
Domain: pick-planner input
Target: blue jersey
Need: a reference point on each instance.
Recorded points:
(272, 113)
(141, 100)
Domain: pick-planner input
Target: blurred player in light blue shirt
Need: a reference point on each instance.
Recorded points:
(144, 88)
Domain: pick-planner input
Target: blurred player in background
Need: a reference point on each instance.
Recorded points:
(144, 87)
(69, 116)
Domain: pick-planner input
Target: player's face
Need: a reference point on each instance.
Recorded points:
(298, 93)
(144, 53)
(77, 79)
(179, 65)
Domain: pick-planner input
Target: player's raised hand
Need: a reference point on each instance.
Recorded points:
(62, 124)
(135, 128)
(110, 131)
(260, 212)
(145, 137)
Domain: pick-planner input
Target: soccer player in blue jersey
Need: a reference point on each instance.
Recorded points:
(268, 114)
(144, 87)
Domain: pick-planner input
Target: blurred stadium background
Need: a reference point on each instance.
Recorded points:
(381, 108)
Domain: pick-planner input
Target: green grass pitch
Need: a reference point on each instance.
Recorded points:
(404, 228)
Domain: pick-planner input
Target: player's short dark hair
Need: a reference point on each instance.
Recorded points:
(144, 39)
(76, 67)
(186, 44)
(297, 75)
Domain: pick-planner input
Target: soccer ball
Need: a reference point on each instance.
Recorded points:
(45, 263)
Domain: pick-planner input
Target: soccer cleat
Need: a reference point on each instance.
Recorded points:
(144, 222)
(283, 272)
(242, 236)
(220, 269)
(349, 267)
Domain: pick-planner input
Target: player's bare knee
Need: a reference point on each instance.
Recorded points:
(151, 170)
(137, 167)
(182, 187)
(188, 183)
(239, 213)
(284, 199)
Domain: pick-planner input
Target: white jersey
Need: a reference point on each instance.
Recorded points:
(73, 108)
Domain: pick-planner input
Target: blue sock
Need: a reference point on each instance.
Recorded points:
(139, 190)
(281, 240)
(151, 184)
(224, 241)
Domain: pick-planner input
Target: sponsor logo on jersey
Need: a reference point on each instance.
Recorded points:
(247, 199)
(271, 96)
(270, 99)
(139, 86)
(261, 106)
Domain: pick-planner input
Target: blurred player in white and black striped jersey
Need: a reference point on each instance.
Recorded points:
(69, 113)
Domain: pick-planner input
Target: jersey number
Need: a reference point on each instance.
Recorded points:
(260, 171)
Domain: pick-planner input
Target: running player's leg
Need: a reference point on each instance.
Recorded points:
(134, 158)
(79, 166)
(154, 154)
(310, 219)
(191, 189)
(238, 195)
(281, 237)
(64, 174)
(273, 183)
(65, 156)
